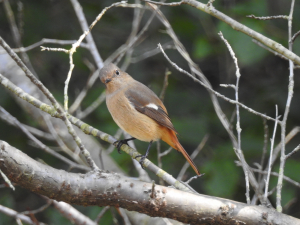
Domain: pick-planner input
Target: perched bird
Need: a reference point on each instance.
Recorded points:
(138, 111)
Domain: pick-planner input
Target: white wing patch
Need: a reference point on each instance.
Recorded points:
(153, 106)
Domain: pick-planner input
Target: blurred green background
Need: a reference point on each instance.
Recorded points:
(263, 84)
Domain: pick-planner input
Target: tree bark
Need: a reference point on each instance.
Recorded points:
(103, 188)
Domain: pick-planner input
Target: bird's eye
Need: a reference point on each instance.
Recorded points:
(117, 72)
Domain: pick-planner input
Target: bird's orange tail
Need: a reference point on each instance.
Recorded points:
(171, 139)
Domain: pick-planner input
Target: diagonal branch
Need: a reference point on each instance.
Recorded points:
(236, 26)
(108, 189)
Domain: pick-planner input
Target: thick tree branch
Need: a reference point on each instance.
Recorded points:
(102, 189)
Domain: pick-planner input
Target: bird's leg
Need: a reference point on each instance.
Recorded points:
(119, 143)
(143, 157)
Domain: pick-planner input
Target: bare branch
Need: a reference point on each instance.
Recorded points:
(238, 126)
(84, 91)
(41, 145)
(89, 38)
(269, 49)
(285, 115)
(237, 26)
(264, 152)
(210, 89)
(297, 184)
(55, 104)
(72, 214)
(92, 189)
(40, 209)
(5, 178)
(16, 34)
(271, 155)
(45, 41)
(15, 214)
(294, 37)
(103, 211)
(293, 152)
(268, 17)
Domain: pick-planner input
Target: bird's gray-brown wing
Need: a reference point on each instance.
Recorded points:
(146, 102)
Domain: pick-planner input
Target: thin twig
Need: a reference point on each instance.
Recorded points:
(137, 18)
(285, 116)
(76, 45)
(33, 130)
(288, 138)
(165, 85)
(5, 178)
(237, 26)
(165, 152)
(103, 211)
(264, 152)
(71, 213)
(15, 214)
(195, 69)
(148, 54)
(89, 38)
(45, 41)
(297, 184)
(119, 53)
(41, 145)
(238, 126)
(228, 86)
(84, 92)
(268, 17)
(210, 89)
(54, 49)
(73, 153)
(42, 208)
(271, 155)
(16, 34)
(193, 178)
(293, 152)
(53, 101)
(269, 49)
(294, 37)
(193, 156)
(276, 151)
(92, 107)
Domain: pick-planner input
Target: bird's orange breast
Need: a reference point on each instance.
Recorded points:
(130, 120)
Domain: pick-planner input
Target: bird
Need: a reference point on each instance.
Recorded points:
(137, 110)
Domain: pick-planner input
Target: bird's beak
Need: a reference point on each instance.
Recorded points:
(107, 81)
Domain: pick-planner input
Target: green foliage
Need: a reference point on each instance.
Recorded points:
(6, 200)
(222, 175)
(202, 48)
(246, 51)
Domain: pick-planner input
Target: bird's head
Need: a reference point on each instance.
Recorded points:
(113, 77)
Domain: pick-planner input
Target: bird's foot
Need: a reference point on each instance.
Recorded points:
(119, 143)
(143, 157)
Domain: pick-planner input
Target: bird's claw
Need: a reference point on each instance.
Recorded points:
(143, 157)
(119, 143)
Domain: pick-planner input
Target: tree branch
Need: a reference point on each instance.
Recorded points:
(237, 26)
(103, 189)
